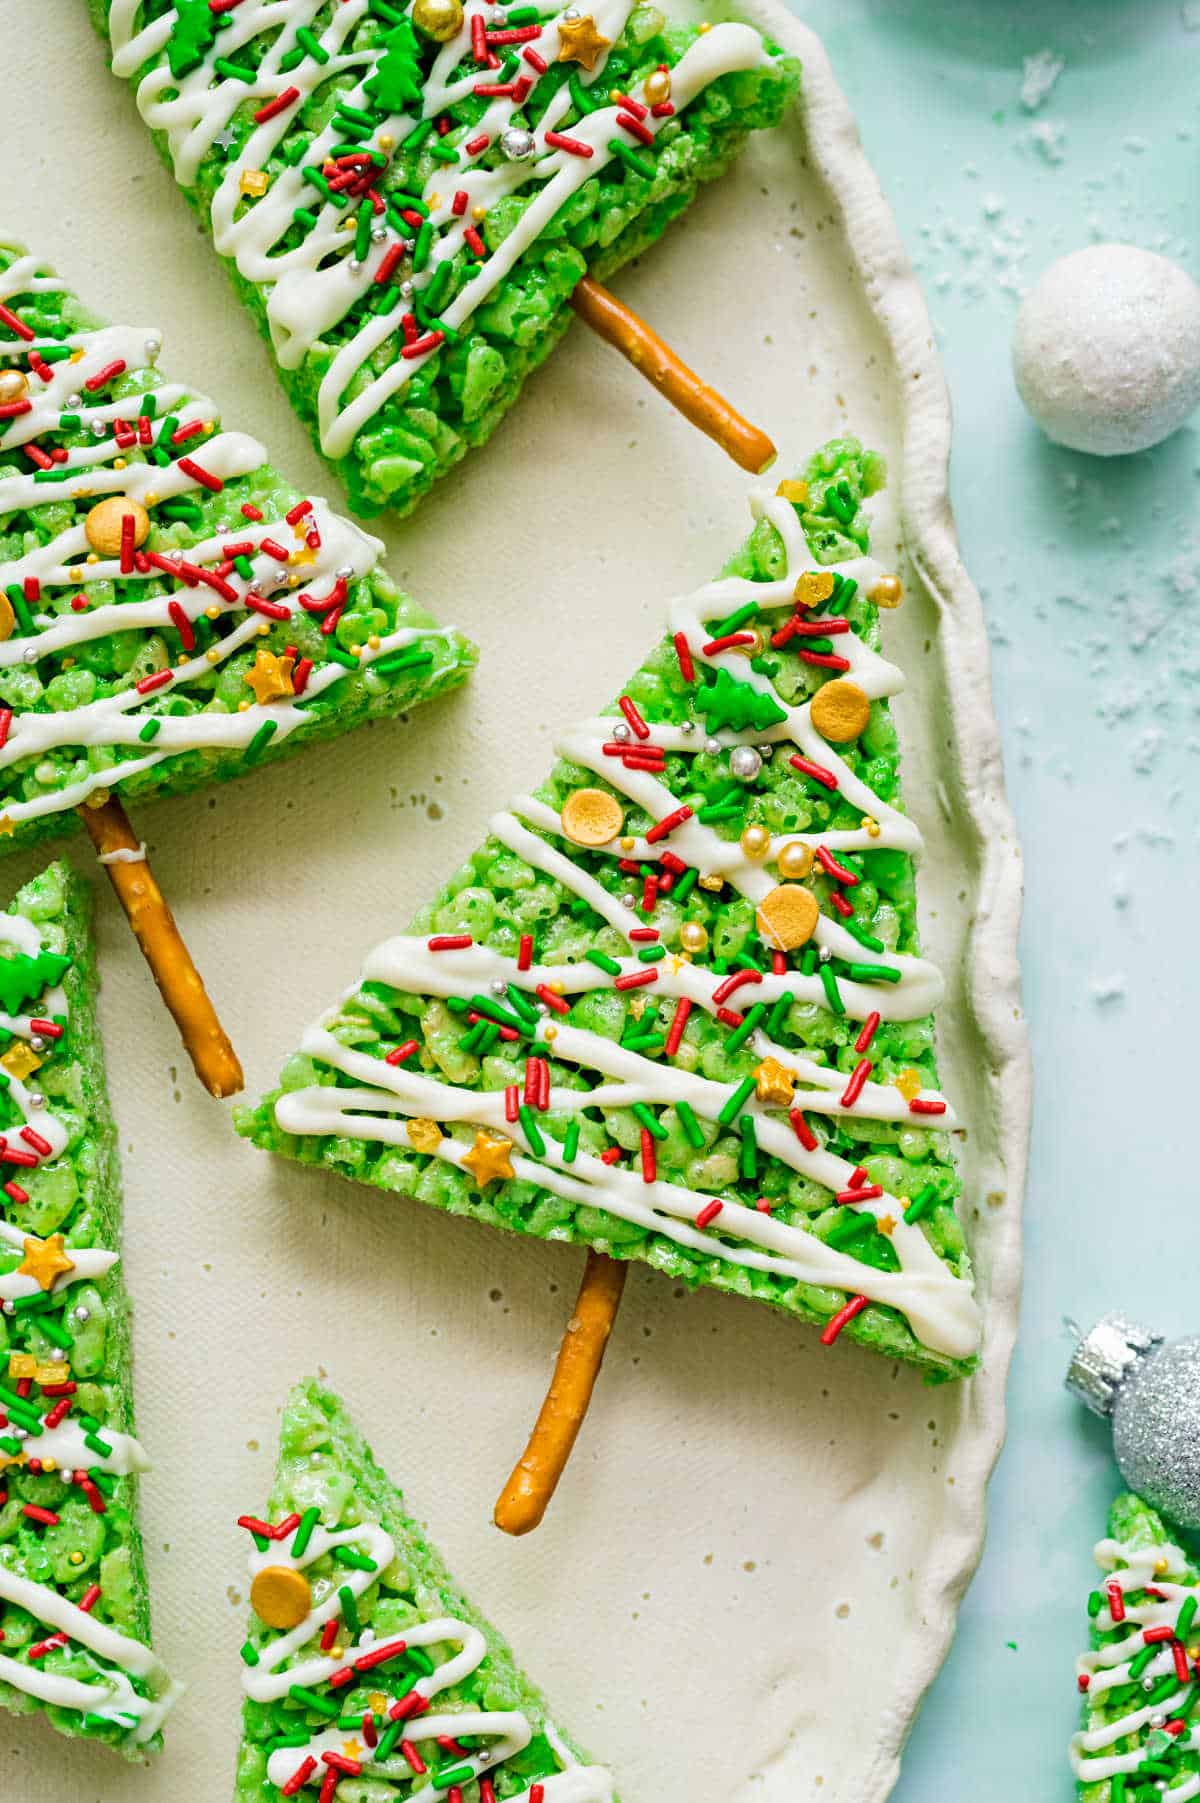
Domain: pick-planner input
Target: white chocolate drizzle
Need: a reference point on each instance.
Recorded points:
(314, 285)
(1095, 1752)
(289, 1660)
(126, 718)
(938, 1305)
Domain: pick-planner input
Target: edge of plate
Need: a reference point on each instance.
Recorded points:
(881, 264)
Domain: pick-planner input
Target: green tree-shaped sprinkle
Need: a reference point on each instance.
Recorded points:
(395, 86)
(193, 33)
(22, 978)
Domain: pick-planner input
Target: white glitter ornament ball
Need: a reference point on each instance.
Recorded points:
(1150, 1391)
(1107, 349)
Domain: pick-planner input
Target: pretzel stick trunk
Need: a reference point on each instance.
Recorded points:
(526, 1496)
(750, 449)
(162, 946)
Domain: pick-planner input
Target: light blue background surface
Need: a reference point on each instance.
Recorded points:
(1090, 573)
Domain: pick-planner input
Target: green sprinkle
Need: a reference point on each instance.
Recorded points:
(150, 731)
(748, 1157)
(56, 1334)
(650, 954)
(580, 98)
(470, 1041)
(409, 657)
(832, 993)
(603, 962)
(443, 153)
(349, 1608)
(420, 1661)
(411, 203)
(312, 43)
(304, 1532)
(690, 1124)
(249, 1655)
(750, 1021)
(102, 1480)
(849, 1228)
(537, 1144)
(225, 65)
(346, 1555)
(387, 1741)
(1140, 1661)
(1117, 1788)
(645, 1042)
(417, 136)
(259, 742)
(1183, 1621)
(291, 61)
(100, 1447)
(685, 885)
(920, 1205)
(873, 973)
(296, 151)
(1095, 1601)
(735, 621)
(486, 1004)
(21, 612)
(864, 938)
(355, 113)
(14, 1448)
(457, 1774)
(639, 164)
(1166, 1687)
(312, 1700)
(737, 1101)
(362, 231)
(422, 246)
(523, 1006)
(778, 1017)
(282, 1743)
(649, 1121)
(718, 810)
(523, 15)
(71, 422)
(338, 656)
(386, 298)
(571, 1142)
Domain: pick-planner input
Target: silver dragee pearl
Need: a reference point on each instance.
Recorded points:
(745, 763)
(712, 747)
(517, 145)
(620, 733)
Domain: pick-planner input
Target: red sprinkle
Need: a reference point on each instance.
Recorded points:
(159, 680)
(479, 47)
(644, 935)
(107, 374)
(9, 318)
(474, 242)
(818, 772)
(35, 1140)
(869, 1029)
(802, 1130)
(205, 478)
(369, 1731)
(709, 1213)
(413, 1757)
(303, 1771)
(429, 342)
(301, 674)
(379, 1655)
(637, 979)
(728, 643)
(329, 1633)
(687, 668)
(612, 1155)
(341, 1762)
(839, 872)
(36, 1513)
(561, 140)
(667, 824)
(182, 625)
(923, 1105)
(649, 1164)
(449, 942)
(525, 952)
(15, 1193)
(855, 1306)
(824, 660)
(47, 1029)
(735, 980)
(1083, 1680)
(635, 128)
(475, 145)
(295, 514)
(280, 104)
(865, 1192)
(683, 1008)
(512, 1103)
(535, 61)
(89, 1599)
(401, 1053)
(13, 409)
(857, 1083)
(388, 262)
(6, 719)
(629, 708)
(839, 902)
(553, 1001)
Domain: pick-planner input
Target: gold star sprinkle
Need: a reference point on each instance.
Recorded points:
(424, 1135)
(909, 1083)
(352, 1749)
(20, 1061)
(774, 1084)
(46, 1260)
(377, 1700)
(270, 677)
(489, 1158)
(254, 183)
(886, 1224)
(580, 42)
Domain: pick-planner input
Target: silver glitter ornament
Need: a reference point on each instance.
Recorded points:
(621, 733)
(517, 144)
(745, 763)
(712, 748)
(1149, 1390)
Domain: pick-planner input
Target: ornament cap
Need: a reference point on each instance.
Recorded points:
(1105, 1357)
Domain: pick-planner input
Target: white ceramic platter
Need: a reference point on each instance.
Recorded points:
(751, 1571)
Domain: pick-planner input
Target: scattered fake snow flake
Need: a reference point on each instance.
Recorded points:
(1106, 990)
(1040, 72)
(1048, 139)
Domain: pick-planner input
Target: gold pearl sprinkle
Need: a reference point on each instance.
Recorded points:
(213, 656)
(212, 613)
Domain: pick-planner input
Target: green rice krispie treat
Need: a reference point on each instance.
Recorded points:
(367, 1674)
(674, 1007)
(407, 196)
(1140, 1680)
(74, 1606)
(172, 611)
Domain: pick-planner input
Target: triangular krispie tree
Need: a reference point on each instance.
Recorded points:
(365, 1667)
(172, 611)
(673, 1008)
(74, 1606)
(1140, 1678)
(410, 200)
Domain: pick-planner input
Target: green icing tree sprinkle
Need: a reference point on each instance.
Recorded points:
(193, 33)
(22, 978)
(395, 84)
(737, 705)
